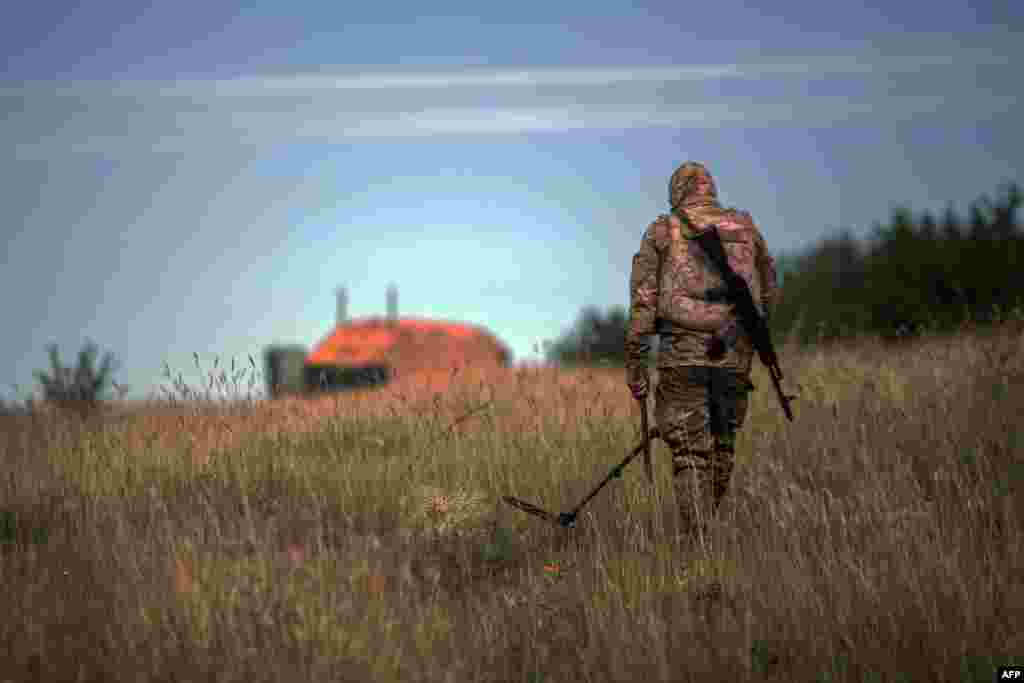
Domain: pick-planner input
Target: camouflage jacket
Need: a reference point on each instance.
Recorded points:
(677, 293)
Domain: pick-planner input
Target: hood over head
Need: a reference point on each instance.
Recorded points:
(682, 187)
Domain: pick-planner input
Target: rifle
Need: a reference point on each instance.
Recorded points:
(749, 317)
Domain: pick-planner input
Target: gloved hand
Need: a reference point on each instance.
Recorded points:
(639, 383)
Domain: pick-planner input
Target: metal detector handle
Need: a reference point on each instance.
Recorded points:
(648, 466)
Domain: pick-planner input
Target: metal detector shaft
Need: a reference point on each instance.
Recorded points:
(617, 470)
(568, 519)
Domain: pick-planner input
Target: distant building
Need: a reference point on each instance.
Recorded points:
(373, 351)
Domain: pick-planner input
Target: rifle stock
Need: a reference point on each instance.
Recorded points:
(746, 310)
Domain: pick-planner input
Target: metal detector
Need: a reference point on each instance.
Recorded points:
(568, 519)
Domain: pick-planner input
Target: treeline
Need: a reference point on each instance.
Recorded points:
(914, 275)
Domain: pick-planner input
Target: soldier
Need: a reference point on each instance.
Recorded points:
(676, 292)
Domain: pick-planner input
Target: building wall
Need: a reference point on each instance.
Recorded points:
(328, 378)
(367, 355)
(284, 369)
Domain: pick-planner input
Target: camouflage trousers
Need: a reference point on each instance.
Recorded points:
(699, 411)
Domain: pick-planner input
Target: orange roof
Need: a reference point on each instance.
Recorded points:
(372, 340)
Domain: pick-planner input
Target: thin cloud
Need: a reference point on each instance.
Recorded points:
(262, 128)
(506, 121)
(575, 77)
(327, 108)
(583, 77)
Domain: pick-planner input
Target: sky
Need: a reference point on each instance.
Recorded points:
(200, 177)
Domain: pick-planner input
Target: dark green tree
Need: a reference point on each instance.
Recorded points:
(823, 291)
(596, 338)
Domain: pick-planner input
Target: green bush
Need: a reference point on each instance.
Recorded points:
(82, 388)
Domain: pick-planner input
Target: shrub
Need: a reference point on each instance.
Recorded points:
(81, 389)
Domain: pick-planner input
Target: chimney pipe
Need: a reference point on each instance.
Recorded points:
(392, 296)
(342, 313)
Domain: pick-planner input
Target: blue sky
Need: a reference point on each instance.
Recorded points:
(199, 177)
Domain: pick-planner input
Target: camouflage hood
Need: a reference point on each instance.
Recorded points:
(682, 187)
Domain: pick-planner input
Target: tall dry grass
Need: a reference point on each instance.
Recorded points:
(359, 537)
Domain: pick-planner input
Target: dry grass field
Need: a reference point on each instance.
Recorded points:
(361, 538)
